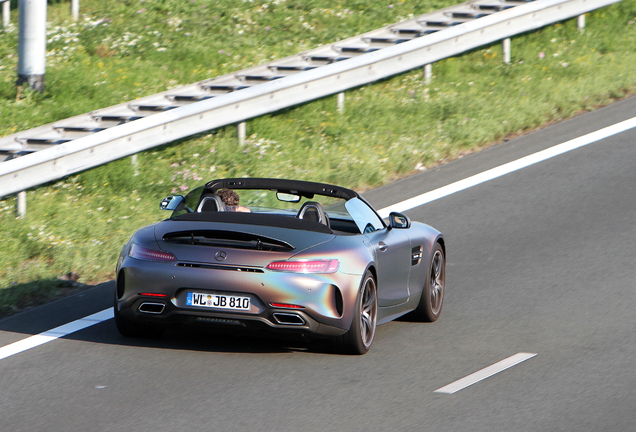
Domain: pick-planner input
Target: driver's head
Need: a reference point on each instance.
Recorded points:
(229, 197)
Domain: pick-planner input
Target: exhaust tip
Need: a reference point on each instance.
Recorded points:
(289, 319)
(152, 308)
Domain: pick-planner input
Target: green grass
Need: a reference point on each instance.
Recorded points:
(388, 130)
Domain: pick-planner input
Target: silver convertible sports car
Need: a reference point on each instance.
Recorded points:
(293, 256)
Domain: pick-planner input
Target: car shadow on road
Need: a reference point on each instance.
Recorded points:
(80, 305)
(204, 340)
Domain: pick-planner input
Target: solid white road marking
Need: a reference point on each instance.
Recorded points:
(485, 373)
(509, 167)
(57, 332)
(106, 314)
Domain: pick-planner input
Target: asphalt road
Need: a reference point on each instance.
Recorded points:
(540, 260)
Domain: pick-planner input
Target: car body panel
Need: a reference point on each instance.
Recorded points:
(392, 257)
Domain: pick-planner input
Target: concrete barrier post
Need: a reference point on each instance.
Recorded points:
(32, 43)
(75, 9)
(6, 13)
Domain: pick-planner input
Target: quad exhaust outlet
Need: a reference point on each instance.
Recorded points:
(289, 319)
(152, 308)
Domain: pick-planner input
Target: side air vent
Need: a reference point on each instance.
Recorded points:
(121, 284)
(338, 300)
(416, 255)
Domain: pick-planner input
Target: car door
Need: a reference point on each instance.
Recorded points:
(392, 249)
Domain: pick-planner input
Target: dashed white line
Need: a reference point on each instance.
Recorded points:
(57, 332)
(485, 373)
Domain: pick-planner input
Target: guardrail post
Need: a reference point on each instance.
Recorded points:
(21, 205)
(32, 44)
(135, 164)
(75, 9)
(506, 50)
(6, 13)
(428, 73)
(240, 131)
(341, 97)
(580, 22)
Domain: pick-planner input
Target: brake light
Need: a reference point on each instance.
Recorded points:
(153, 294)
(315, 266)
(142, 253)
(286, 306)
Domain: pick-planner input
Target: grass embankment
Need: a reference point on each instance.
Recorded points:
(127, 49)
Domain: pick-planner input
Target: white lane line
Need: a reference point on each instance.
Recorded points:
(509, 167)
(485, 373)
(57, 332)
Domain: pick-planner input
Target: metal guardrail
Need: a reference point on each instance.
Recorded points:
(69, 146)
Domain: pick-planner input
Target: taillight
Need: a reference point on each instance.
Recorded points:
(153, 295)
(286, 306)
(315, 266)
(142, 253)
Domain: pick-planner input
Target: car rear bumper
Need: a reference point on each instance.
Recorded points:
(155, 294)
(165, 315)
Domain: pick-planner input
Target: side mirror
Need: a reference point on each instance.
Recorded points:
(399, 220)
(172, 203)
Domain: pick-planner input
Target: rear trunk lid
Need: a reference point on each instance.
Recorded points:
(233, 244)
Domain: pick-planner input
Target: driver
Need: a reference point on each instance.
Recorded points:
(231, 201)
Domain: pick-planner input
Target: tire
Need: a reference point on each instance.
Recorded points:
(129, 328)
(360, 336)
(430, 306)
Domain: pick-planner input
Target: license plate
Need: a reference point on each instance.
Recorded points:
(218, 301)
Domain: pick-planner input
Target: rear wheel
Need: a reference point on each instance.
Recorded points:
(430, 306)
(360, 336)
(131, 328)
